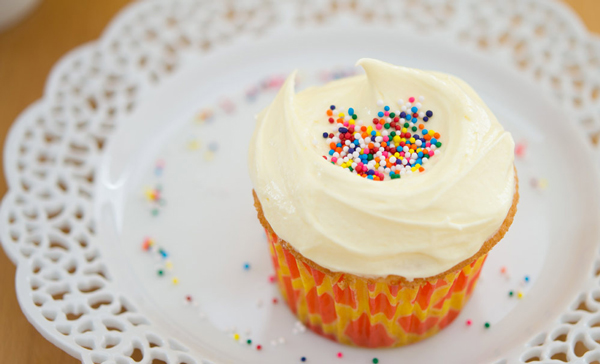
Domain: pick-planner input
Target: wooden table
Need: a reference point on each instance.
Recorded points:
(27, 52)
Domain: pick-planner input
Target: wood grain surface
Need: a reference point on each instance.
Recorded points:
(27, 53)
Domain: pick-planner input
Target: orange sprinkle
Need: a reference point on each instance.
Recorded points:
(329, 112)
(376, 178)
(340, 120)
(332, 145)
(421, 169)
(421, 126)
(427, 137)
(382, 121)
(377, 159)
(364, 135)
(339, 150)
(371, 146)
(436, 135)
(384, 144)
(363, 128)
(425, 151)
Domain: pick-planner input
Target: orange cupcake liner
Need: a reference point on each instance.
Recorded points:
(370, 314)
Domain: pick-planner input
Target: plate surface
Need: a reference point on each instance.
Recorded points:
(82, 160)
(209, 228)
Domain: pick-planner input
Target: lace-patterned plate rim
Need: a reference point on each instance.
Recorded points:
(25, 257)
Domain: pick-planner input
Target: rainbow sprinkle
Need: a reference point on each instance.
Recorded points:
(396, 144)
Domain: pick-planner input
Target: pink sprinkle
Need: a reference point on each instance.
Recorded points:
(378, 126)
(271, 279)
(411, 99)
(339, 355)
(386, 139)
(469, 322)
(346, 123)
(431, 153)
(428, 144)
(386, 113)
(520, 149)
(366, 150)
(334, 159)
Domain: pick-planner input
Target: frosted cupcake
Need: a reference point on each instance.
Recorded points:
(381, 196)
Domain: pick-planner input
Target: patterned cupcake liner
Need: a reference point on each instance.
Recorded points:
(374, 315)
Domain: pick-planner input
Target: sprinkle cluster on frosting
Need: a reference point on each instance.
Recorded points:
(397, 143)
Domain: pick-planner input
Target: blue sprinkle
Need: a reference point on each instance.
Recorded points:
(247, 266)
(433, 140)
(373, 133)
(332, 107)
(402, 114)
(380, 114)
(414, 109)
(419, 161)
(163, 253)
(425, 118)
(420, 154)
(350, 150)
(350, 111)
(408, 117)
(425, 131)
(331, 151)
(429, 113)
(526, 278)
(387, 108)
(325, 135)
(398, 149)
(339, 145)
(343, 130)
(371, 172)
(303, 359)
(370, 177)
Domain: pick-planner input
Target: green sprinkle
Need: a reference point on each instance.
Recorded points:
(160, 272)
(154, 212)
(354, 117)
(249, 342)
(392, 115)
(406, 125)
(351, 169)
(393, 134)
(375, 360)
(438, 144)
(511, 293)
(487, 325)
(386, 125)
(414, 128)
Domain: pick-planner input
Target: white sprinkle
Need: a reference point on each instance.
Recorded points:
(385, 133)
(379, 102)
(403, 108)
(314, 141)
(421, 98)
(418, 104)
(400, 101)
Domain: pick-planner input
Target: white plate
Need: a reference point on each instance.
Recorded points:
(113, 300)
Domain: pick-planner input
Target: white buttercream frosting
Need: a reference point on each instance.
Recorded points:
(415, 227)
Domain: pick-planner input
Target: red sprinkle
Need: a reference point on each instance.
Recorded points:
(258, 347)
(275, 300)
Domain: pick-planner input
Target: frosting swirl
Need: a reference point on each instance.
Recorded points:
(415, 227)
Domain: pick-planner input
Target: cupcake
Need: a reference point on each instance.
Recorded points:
(381, 196)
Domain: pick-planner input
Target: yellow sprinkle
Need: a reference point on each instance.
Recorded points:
(236, 337)
(341, 115)
(404, 130)
(543, 183)
(169, 265)
(412, 140)
(520, 294)
(376, 165)
(175, 281)
(396, 139)
(193, 145)
(209, 156)
(401, 158)
(378, 134)
(417, 165)
(397, 155)
(413, 169)
(351, 122)
(149, 194)
(431, 132)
